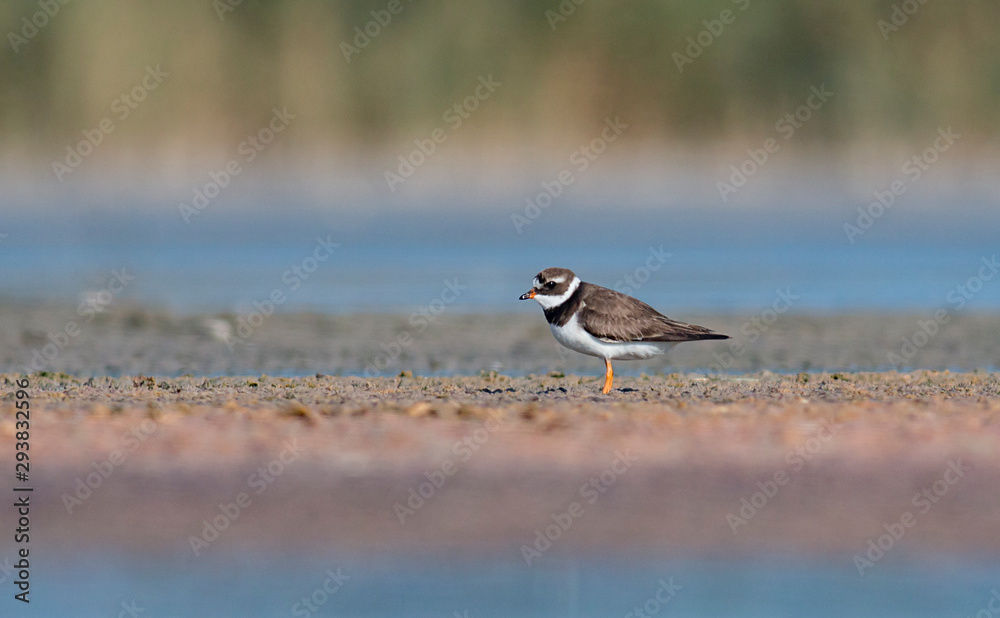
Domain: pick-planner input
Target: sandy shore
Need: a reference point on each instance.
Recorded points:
(669, 463)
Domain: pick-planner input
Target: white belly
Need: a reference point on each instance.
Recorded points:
(574, 337)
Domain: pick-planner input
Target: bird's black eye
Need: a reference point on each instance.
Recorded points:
(550, 284)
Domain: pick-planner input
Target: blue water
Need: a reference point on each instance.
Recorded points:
(269, 585)
(402, 262)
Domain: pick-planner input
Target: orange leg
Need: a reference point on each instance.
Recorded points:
(609, 376)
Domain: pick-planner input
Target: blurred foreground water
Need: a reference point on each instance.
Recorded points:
(382, 586)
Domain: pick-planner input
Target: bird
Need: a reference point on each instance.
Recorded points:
(600, 322)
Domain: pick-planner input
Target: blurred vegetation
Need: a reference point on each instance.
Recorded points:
(940, 68)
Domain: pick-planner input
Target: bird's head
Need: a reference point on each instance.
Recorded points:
(552, 287)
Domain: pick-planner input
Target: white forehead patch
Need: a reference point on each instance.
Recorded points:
(536, 283)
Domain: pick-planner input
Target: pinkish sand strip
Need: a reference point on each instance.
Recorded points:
(818, 463)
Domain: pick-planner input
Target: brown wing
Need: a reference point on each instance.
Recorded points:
(613, 316)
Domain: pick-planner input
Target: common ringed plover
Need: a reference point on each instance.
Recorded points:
(600, 322)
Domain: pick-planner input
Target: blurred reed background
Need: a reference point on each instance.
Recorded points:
(941, 67)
